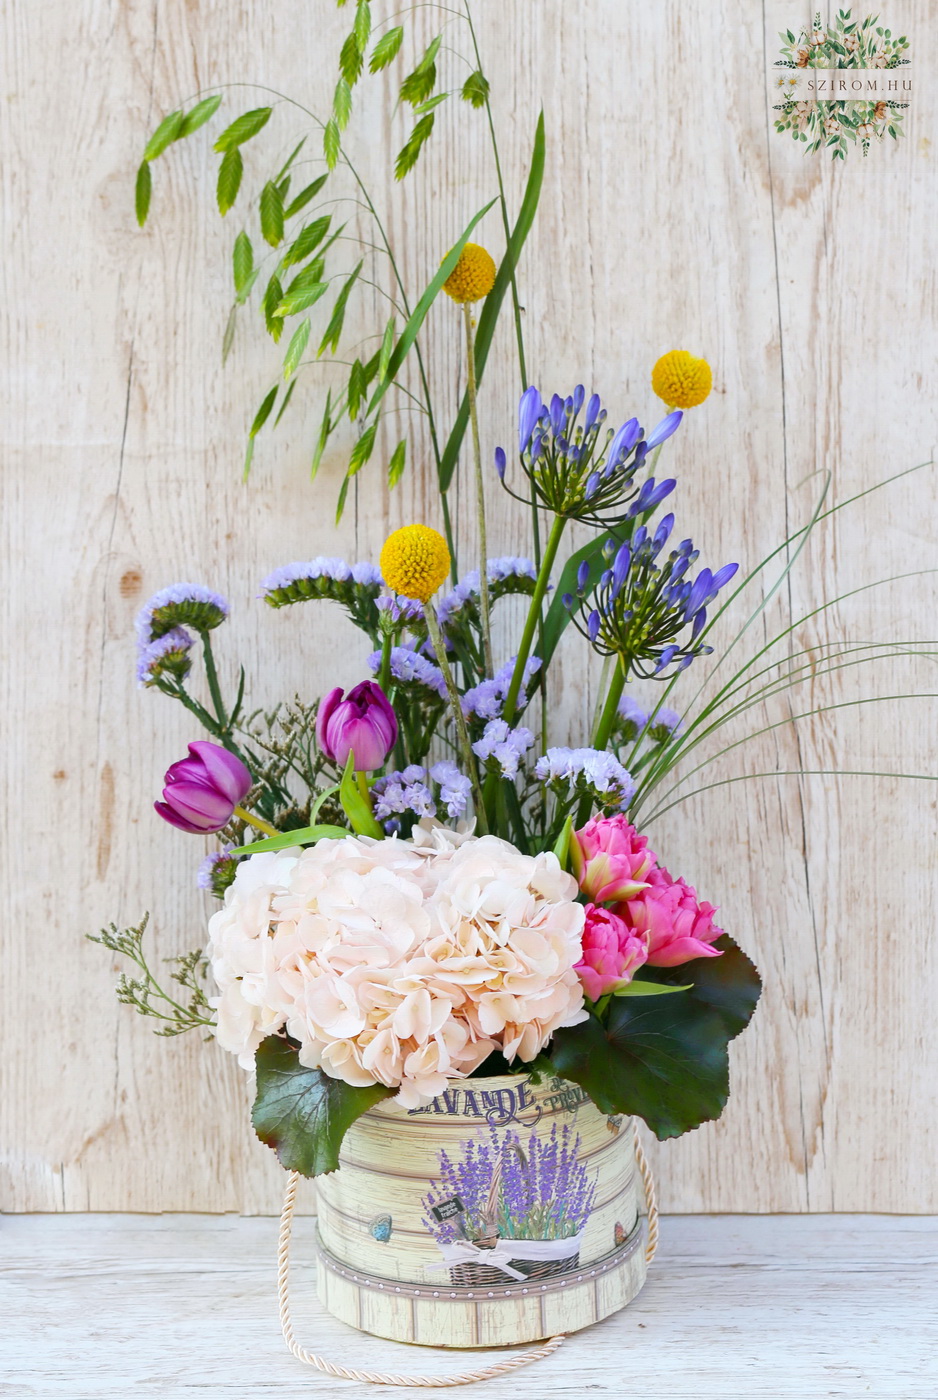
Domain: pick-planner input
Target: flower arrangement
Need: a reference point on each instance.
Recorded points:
(832, 122)
(420, 881)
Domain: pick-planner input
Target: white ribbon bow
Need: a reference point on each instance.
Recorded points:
(500, 1255)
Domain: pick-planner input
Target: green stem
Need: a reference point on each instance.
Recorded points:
(462, 733)
(486, 607)
(257, 822)
(213, 686)
(604, 728)
(384, 675)
(534, 617)
(613, 696)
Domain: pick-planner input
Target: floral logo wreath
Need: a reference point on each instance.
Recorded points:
(845, 44)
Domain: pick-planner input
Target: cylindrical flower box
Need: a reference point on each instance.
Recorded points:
(505, 1211)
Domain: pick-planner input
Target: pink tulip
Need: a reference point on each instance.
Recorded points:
(363, 721)
(610, 859)
(612, 953)
(677, 926)
(203, 790)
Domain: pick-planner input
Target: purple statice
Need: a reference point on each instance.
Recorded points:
(401, 612)
(664, 723)
(217, 871)
(322, 577)
(408, 667)
(454, 787)
(506, 746)
(633, 717)
(167, 655)
(180, 605)
(544, 1192)
(485, 700)
(507, 574)
(591, 771)
(403, 792)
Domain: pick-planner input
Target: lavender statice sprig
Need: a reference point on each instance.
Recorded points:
(355, 586)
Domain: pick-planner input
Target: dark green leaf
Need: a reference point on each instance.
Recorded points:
(298, 343)
(475, 89)
(331, 143)
(665, 1058)
(418, 316)
(493, 302)
(362, 449)
(386, 49)
(304, 197)
(165, 134)
(242, 258)
(309, 238)
(272, 299)
(342, 104)
(201, 113)
(263, 413)
(143, 192)
(271, 205)
(303, 1114)
(229, 179)
(243, 128)
(397, 463)
(334, 329)
(351, 60)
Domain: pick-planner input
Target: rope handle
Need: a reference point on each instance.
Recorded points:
(484, 1373)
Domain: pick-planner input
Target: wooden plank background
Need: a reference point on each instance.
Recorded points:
(671, 216)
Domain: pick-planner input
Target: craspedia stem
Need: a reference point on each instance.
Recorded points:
(462, 733)
(485, 602)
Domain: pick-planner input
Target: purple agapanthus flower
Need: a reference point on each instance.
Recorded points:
(180, 605)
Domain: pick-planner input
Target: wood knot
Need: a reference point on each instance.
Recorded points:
(131, 581)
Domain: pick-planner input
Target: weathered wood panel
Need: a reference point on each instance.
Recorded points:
(671, 215)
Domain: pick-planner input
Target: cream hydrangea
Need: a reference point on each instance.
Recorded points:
(405, 963)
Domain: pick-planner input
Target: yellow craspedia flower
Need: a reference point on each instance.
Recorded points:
(681, 380)
(473, 277)
(415, 561)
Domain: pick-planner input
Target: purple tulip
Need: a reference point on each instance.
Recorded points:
(203, 790)
(363, 720)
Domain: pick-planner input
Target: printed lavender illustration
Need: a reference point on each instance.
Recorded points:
(508, 1210)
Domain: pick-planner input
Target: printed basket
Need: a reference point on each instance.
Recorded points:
(503, 1212)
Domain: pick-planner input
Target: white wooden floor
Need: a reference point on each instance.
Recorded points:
(180, 1307)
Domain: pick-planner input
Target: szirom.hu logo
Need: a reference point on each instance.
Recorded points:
(846, 85)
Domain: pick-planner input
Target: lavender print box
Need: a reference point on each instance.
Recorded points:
(503, 1212)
